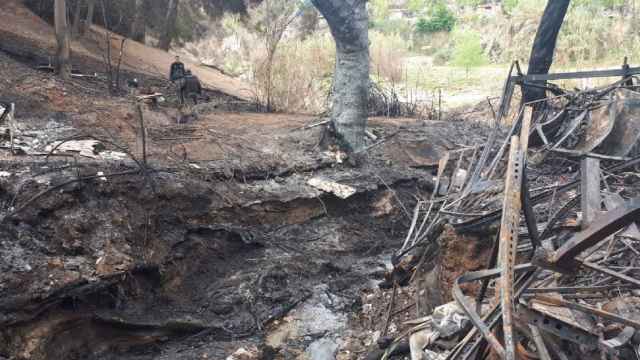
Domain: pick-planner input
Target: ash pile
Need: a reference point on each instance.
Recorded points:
(556, 201)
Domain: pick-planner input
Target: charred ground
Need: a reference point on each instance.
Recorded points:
(221, 245)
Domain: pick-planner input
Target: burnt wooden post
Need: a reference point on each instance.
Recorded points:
(10, 122)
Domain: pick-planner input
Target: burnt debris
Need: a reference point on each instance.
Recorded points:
(558, 198)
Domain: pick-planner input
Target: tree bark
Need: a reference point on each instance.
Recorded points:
(138, 29)
(88, 20)
(63, 67)
(75, 27)
(544, 45)
(348, 21)
(169, 25)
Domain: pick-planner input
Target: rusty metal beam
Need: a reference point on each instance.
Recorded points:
(588, 309)
(614, 274)
(602, 227)
(558, 327)
(494, 315)
(543, 352)
(509, 229)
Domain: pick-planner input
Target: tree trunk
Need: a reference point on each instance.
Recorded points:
(138, 29)
(63, 68)
(75, 28)
(91, 4)
(348, 21)
(169, 25)
(544, 45)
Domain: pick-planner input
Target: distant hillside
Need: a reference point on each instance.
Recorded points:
(594, 31)
(27, 36)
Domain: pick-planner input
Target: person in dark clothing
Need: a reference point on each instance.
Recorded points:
(177, 71)
(190, 88)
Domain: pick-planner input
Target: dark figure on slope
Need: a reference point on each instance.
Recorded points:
(177, 71)
(190, 88)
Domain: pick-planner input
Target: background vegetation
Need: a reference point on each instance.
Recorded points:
(418, 47)
(421, 46)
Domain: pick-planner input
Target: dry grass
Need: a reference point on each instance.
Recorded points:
(302, 69)
(387, 56)
(301, 74)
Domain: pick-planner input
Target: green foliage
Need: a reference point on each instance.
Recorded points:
(598, 4)
(468, 50)
(380, 10)
(509, 5)
(472, 3)
(440, 19)
(417, 6)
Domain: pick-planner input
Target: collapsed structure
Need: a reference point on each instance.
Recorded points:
(558, 198)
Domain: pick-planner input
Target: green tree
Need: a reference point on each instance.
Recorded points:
(468, 50)
(440, 19)
(380, 10)
(509, 5)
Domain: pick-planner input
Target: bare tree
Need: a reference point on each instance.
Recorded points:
(77, 14)
(272, 19)
(112, 70)
(544, 45)
(169, 25)
(349, 21)
(88, 20)
(63, 67)
(138, 28)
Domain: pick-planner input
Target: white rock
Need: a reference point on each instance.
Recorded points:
(330, 186)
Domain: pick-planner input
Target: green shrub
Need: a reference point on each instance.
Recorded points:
(468, 52)
(509, 5)
(472, 3)
(417, 6)
(441, 19)
(443, 55)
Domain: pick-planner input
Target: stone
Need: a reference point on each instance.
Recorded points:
(323, 349)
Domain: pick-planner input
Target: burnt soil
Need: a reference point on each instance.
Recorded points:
(218, 244)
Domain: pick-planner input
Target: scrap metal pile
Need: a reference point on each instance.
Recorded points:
(559, 196)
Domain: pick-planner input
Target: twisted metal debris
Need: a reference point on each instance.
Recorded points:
(560, 197)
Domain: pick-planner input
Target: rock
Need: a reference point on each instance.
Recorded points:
(419, 340)
(430, 355)
(340, 190)
(449, 319)
(55, 263)
(251, 353)
(375, 337)
(87, 148)
(113, 262)
(323, 349)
